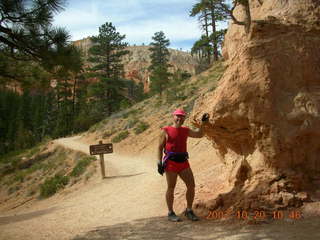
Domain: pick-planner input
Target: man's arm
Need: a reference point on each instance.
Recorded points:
(196, 134)
(161, 146)
(200, 132)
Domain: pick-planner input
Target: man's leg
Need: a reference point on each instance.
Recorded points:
(171, 182)
(187, 176)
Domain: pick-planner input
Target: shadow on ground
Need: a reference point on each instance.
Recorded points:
(160, 228)
(124, 176)
(25, 216)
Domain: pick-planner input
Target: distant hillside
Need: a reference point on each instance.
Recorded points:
(136, 63)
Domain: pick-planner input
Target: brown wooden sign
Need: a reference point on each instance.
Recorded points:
(101, 149)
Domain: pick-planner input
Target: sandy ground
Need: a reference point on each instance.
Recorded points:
(129, 204)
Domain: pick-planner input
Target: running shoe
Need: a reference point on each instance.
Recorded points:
(173, 217)
(190, 215)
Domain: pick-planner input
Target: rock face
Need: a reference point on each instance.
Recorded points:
(136, 63)
(265, 113)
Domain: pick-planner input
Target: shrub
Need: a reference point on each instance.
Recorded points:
(131, 123)
(93, 128)
(131, 112)
(108, 134)
(158, 103)
(19, 176)
(13, 189)
(7, 158)
(52, 185)
(81, 166)
(33, 151)
(142, 126)
(120, 137)
(34, 167)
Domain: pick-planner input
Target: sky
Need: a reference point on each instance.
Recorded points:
(137, 19)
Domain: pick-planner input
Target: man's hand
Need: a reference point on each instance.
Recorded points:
(205, 117)
(160, 168)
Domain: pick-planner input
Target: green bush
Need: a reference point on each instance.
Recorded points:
(108, 134)
(93, 128)
(7, 158)
(142, 126)
(15, 162)
(120, 137)
(33, 151)
(81, 166)
(131, 123)
(35, 167)
(19, 176)
(13, 189)
(158, 103)
(129, 113)
(52, 185)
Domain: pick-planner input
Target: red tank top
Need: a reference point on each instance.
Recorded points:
(177, 139)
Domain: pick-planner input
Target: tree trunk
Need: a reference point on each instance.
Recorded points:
(247, 19)
(207, 35)
(74, 95)
(213, 24)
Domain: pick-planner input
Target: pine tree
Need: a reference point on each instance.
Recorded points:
(217, 14)
(201, 10)
(12, 103)
(106, 55)
(26, 32)
(64, 103)
(210, 12)
(66, 73)
(83, 111)
(159, 63)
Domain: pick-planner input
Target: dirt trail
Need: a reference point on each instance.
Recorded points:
(131, 190)
(129, 204)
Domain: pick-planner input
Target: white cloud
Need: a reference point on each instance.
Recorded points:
(137, 19)
(175, 29)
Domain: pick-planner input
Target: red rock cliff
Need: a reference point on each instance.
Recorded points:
(265, 120)
(136, 63)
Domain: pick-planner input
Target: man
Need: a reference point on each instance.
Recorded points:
(173, 142)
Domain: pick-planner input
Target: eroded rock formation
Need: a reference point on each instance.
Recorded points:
(265, 120)
(138, 60)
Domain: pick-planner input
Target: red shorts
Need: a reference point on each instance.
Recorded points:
(177, 167)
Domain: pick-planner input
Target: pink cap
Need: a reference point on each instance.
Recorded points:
(179, 112)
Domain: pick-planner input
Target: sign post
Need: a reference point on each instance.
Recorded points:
(101, 149)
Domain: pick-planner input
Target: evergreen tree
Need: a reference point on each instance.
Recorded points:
(66, 73)
(159, 63)
(201, 10)
(106, 55)
(11, 118)
(23, 137)
(203, 50)
(51, 112)
(83, 110)
(210, 12)
(26, 32)
(217, 14)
